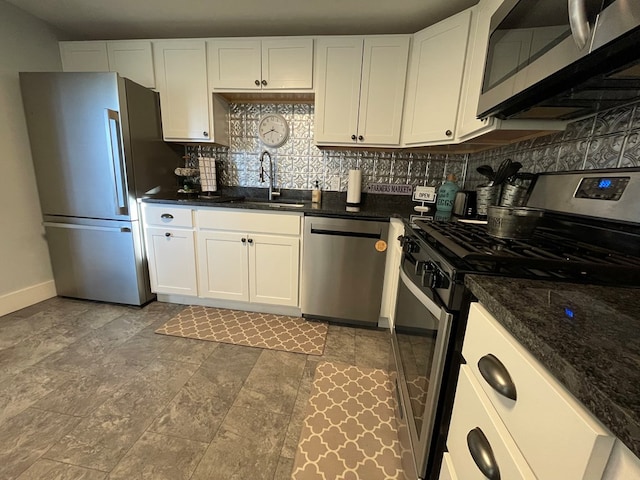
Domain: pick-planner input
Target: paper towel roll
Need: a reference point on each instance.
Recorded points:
(208, 180)
(354, 187)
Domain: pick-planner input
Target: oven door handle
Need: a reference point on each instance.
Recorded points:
(429, 304)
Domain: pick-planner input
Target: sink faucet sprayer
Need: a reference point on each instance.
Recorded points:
(270, 175)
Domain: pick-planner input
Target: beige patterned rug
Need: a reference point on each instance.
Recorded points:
(263, 330)
(349, 432)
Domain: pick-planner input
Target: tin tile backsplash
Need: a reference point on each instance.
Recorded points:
(299, 163)
(610, 139)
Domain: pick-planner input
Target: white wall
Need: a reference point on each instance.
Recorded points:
(26, 44)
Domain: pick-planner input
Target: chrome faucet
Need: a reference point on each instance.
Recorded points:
(270, 175)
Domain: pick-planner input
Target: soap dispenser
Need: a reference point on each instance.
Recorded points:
(316, 193)
(447, 194)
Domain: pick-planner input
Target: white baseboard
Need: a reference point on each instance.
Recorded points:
(250, 307)
(11, 302)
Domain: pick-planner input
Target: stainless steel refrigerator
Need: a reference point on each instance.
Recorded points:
(96, 142)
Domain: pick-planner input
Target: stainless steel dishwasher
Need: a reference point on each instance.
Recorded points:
(343, 269)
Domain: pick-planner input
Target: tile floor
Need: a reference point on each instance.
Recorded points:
(89, 391)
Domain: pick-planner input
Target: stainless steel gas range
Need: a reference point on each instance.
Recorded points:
(590, 234)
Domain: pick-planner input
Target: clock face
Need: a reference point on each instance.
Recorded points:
(273, 130)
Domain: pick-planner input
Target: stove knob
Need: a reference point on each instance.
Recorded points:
(421, 265)
(440, 280)
(408, 244)
(428, 274)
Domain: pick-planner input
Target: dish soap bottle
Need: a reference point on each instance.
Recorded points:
(316, 193)
(447, 194)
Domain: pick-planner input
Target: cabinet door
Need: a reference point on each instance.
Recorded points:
(435, 78)
(287, 63)
(339, 70)
(468, 123)
(181, 79)
(132, 59)
(84, 56)
(274, 269)
(384, 70)
(222, 263)
(172, 261)
(235, 64)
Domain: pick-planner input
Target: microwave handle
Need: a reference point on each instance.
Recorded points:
(580, 28)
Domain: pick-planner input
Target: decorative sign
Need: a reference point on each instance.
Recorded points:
(390, 189)
(424, 194)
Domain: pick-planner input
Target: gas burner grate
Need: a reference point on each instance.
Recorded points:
(546, 252)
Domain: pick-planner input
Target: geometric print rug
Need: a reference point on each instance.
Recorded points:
(349, 432)
(263, 330)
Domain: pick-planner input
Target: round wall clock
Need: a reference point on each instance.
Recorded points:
(273, 130)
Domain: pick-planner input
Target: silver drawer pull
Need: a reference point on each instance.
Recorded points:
(482, 454)
(166, 216)
(496, 375)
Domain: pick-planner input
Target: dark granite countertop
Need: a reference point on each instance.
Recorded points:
(587, 336)
(373, 206)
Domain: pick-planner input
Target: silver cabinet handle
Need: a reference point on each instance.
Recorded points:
(580, 28)
(497, 375)
(482, 454)
(167, 216)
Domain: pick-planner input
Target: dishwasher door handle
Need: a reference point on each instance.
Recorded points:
(344, 233)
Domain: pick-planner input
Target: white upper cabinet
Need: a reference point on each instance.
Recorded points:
(338, 89)
(84, 56)
(132, 59)
(360, 90)
(261, 64)
(189, 112)
(434, 84)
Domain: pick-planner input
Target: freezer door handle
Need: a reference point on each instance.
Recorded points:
(72, 226)
(112, 122)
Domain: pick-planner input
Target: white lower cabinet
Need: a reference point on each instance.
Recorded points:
(171, 252)
(249, 257)
(522, 410)
(224, 263)
(172, 261)
(223, 254)
(479, 444)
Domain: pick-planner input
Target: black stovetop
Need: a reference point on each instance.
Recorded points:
(468, 248)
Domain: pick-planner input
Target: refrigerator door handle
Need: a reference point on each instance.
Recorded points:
(112, 122)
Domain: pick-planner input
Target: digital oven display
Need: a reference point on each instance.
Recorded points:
(602, 188)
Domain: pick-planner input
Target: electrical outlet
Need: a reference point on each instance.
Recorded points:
(334, 183)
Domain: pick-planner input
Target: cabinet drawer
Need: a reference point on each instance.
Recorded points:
(273, 223)
(556, 434)
(162, 215)
(473, 413)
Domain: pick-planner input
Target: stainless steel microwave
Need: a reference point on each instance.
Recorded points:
(561, 59)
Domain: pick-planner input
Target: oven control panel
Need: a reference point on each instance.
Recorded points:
(602, 188)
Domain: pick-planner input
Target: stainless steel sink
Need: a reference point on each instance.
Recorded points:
(279, 204)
